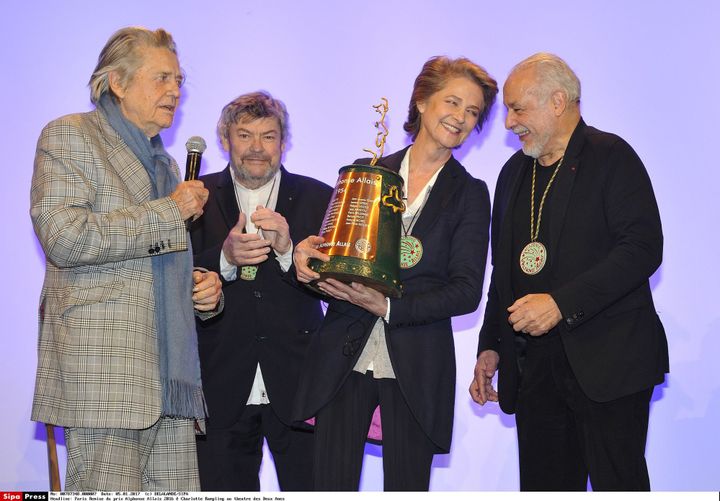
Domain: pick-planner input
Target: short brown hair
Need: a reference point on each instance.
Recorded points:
(253, 106)
(433, 76)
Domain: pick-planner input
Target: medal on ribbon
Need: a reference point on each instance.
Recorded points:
(534, 255)
(532, 258)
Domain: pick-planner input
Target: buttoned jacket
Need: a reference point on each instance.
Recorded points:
(269, 320)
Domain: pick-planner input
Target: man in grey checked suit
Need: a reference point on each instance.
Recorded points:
(117, 357)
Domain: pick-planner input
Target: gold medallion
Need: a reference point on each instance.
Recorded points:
(534, 254)
(532, 258)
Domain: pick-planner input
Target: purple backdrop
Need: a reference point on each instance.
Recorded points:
(648, 73)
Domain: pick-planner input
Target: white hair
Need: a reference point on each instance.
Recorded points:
(554, 74)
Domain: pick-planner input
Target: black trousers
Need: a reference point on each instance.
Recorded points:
(341, 430)
(564, 437)
(229, 459)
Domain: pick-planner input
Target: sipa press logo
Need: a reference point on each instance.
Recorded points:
(23, 496)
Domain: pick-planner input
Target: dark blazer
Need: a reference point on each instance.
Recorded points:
(453, 229)
(605, 241)
(268, 320)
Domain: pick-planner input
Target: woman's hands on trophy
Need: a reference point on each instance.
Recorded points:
(355, 293)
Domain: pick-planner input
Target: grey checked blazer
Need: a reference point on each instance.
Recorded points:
(92, 212)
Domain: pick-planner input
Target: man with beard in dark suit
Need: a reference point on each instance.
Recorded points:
(570, 322)
(251, 355)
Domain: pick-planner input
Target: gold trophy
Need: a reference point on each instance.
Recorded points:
(363, 221)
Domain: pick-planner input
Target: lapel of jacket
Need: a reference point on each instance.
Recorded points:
(227, 202)
(563, 187)
(440, 195)
(391, 161)
(125, 163)
(286, 194)
(445, 187)
(503, 255)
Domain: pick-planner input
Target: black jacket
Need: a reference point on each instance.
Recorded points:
(453, 229)
(605, 241)
(268, 320)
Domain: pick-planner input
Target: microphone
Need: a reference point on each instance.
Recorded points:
(195, 147)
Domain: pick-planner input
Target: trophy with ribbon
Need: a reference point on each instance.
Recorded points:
(363, 221)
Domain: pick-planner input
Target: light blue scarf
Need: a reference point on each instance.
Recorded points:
(172, 281)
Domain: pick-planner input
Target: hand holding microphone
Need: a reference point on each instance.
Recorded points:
(191, 195)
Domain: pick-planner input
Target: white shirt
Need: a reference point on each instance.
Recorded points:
(411, 214)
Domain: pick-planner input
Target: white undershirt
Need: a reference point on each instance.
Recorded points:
(417, 204)
(376, 347)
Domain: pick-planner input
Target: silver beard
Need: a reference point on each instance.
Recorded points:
(531, 151)
(254, 182)
(536, 150)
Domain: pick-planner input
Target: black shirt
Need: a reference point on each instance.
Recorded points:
(523, 283)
